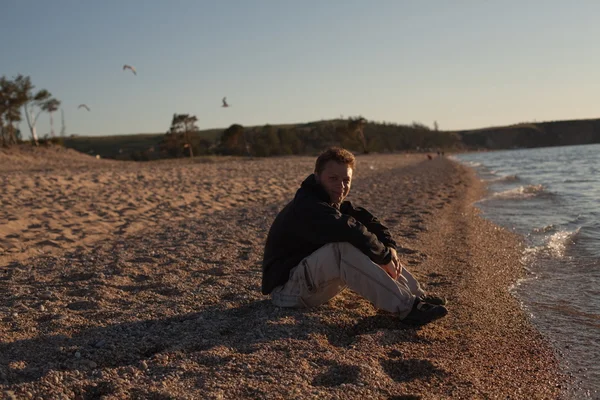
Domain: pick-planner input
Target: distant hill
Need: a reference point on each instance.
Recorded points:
(312, 137)
(528, 135)
(122, 146)
(268, 140)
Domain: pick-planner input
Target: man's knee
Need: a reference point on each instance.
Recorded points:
(347, 248)
(332, 253)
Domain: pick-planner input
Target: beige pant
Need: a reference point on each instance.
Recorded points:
(335, 266)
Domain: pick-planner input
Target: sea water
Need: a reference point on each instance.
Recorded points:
(551, 196)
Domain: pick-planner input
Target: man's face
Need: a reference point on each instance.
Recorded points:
(336, 179)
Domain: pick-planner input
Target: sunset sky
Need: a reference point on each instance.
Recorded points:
(464, 64)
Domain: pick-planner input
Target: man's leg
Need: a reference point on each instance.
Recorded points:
(370, 281)
(417, 290)
(324, 273)
(411, 283)
(302, 291)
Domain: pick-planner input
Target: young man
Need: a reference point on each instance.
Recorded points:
(320, 244)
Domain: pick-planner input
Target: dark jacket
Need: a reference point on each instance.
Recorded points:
(309, 222)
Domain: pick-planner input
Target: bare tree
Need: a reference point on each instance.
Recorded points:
(63, 127)
(35, 103)
(51, 107)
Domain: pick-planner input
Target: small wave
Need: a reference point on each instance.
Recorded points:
(556, 246)
(570, 180)
(544, 229)
(507, 178)
(530, 254)
(465, 162)
(558, 242)
(522, 192)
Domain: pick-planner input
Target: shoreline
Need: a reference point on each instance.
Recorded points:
(499, 331)
(174, 308)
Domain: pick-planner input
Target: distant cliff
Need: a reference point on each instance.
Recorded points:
(542, 134)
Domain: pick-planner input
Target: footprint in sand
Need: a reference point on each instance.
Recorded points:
(48, 242)
(168, 291)
(78, 276)
(438, 283)
(337, 375)
(406, 370)
(405, 397)
(404, 250)
(409, 235)
(82, 305)
(419, 228)
(78, 293)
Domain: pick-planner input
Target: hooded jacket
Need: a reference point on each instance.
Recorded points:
(309, 222)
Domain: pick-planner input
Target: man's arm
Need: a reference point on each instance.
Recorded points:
(370, 222)
(321, 223)
(394, 268)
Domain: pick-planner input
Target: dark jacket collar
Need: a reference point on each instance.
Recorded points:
(310, 184)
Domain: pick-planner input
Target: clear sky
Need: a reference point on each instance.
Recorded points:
(464, 64)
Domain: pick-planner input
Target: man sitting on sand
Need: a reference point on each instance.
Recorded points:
(320, 244)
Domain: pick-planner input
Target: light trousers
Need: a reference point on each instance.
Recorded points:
(332, 268)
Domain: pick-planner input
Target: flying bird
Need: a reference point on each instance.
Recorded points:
(83, 106)
(225, 102)
(129, 67)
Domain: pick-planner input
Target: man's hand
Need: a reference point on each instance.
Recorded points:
(394, 267)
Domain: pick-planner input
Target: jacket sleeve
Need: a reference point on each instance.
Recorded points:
(320, 223)
(370, 222)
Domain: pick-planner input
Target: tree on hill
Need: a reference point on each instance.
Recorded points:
(51, 107)
(233, 141)
(356, 128)
(266, 142)
(35, 103)
(178, 138)
(290, 143)
(63, 126)
(11, 101)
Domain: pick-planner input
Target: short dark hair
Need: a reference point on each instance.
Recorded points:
(336, 154)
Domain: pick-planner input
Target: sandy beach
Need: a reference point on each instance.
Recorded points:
(122, 280)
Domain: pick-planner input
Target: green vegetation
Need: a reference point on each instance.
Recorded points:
(185, 139)
(356, 134)
(17, 93)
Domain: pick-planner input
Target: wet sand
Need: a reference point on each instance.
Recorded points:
(142, 280)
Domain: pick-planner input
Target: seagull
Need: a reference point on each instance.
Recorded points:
(83, 106)
(225, 102)
(129, 67)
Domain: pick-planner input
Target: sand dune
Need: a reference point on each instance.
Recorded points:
(149, 287)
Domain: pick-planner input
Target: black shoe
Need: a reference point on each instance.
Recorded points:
(423, 313)
(433, 299)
